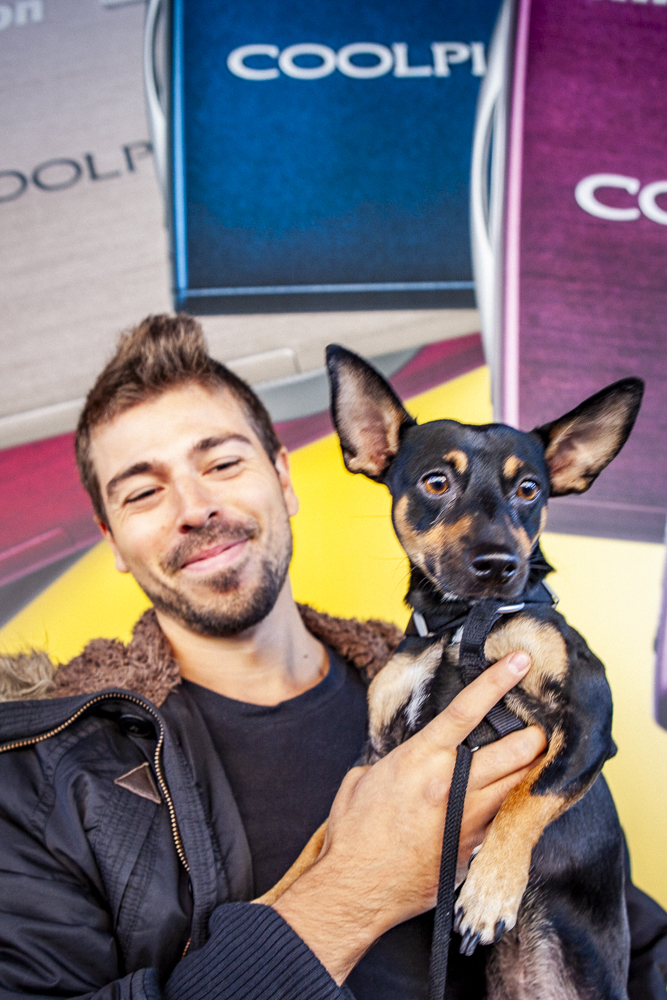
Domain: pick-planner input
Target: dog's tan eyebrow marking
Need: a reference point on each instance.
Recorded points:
(512, 466)
(458, 459)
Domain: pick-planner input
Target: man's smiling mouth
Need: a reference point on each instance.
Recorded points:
(215, 556)
(214, 546)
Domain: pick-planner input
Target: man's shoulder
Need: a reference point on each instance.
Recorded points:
(37, 697)
(145, 666)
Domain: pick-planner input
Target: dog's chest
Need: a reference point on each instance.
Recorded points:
(423, 677)
(420, 680)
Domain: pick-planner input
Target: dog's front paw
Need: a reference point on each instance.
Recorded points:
(488, 903)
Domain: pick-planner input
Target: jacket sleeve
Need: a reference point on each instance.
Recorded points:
(252, 952)
(57, 937)
(62, 944)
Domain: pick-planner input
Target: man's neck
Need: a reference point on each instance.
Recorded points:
(275, 660)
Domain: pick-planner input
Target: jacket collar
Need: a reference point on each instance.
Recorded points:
(146, 666)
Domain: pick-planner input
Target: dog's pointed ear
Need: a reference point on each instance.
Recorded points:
(367, 413)
(580, 444)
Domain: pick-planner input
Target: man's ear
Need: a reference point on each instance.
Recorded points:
(118, 559)
(367, 413)
(281, 463)
(579, 445)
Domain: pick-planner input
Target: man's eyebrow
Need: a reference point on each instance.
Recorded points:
(142, 468)
(138, 469)
(206, 444)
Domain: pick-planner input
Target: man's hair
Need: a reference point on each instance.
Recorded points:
(161, 353)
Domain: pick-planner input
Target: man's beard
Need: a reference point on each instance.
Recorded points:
(236, 612)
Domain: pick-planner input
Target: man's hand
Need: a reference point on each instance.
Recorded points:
(380, 862)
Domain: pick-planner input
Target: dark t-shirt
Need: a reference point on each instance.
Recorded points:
(285, 764)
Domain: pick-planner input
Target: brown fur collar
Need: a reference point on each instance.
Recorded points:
(147, 667)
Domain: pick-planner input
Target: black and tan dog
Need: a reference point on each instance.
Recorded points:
(468, 506)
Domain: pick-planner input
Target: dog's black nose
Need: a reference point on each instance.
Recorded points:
(494, 567)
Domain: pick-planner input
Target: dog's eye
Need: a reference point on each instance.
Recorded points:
(527, 490)
(436, 484)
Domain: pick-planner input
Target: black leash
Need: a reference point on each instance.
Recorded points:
(479, 620)
(444, 911)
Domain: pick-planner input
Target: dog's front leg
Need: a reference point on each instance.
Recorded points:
(489, 900)
(578, 697)
(306, 860)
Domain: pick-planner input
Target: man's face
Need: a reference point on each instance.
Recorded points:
(196, 510)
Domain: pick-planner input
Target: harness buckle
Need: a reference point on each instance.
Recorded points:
(420, 624)
(508, 609)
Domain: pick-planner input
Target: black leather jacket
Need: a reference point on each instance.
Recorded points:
(103, 889)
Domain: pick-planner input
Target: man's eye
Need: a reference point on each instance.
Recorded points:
(436, 483)
(527, 490)
(142, 495)
(225, 463)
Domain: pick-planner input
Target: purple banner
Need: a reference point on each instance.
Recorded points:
(589, 236)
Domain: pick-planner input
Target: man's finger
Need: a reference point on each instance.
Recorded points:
(504, 757)
(470, 706)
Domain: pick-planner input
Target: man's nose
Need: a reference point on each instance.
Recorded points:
(197, 506)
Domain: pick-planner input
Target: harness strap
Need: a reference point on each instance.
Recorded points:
(472, 662)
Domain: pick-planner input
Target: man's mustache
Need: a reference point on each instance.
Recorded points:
(210, 534)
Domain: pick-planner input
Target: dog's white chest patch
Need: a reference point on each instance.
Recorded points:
(402, 684)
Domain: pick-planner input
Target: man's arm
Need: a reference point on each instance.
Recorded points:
(380, 866)
(380, 862)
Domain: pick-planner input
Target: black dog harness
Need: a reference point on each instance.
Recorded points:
(477, 621)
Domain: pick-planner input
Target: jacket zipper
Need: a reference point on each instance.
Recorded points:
(162, 784)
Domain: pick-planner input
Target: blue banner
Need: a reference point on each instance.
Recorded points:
(323, 149)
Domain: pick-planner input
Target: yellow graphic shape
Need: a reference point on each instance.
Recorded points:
(91, 599)
(347, 561)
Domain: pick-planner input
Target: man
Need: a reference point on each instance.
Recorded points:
(149, 792)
